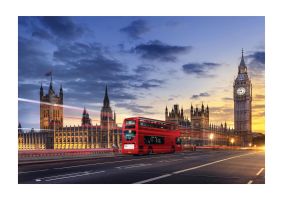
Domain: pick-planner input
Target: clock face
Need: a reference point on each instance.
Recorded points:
(241, 91)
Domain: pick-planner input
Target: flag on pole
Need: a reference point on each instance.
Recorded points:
(48, 73)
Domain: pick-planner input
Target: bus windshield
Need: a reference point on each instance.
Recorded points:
(129, 134)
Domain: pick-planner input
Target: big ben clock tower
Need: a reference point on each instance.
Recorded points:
(243, 103)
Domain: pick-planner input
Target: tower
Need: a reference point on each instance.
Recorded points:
(107, 121)
(176, 116)
(51, 108)
(200, 118)
(86, 121)
(243, 102)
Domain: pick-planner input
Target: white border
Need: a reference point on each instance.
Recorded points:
(8, 44)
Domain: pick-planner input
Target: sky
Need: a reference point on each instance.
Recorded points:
(148, 63)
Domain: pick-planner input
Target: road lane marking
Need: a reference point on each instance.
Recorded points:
(75, 176)
(250, 182)
(170, 160)
(119, 161)
(75, 166)
(65, 176)
(189, 169)
(260, 171)
(133, 166)
(153, 179)
(33, 171)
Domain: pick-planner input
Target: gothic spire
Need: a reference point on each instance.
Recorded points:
(41, 91)
(242, 69)
(242, 63)
(106, 102)
(51, 84)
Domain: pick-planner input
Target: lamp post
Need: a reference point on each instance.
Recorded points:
(211, 136)
(232, 141)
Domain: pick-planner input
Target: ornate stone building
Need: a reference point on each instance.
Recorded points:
(199, 131)
(51, 108)
(86, 121)
(53, 135)
(88, 135)
(242, 92)
(177, 116)
(200, 117)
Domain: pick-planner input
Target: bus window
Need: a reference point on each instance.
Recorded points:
(130, 122)
(129, 134)
(153, 140)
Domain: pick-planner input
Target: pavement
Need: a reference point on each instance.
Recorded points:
(200, 167)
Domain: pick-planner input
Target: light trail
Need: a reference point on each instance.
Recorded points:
(58, 105)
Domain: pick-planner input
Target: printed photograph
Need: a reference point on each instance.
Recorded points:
(141, 100)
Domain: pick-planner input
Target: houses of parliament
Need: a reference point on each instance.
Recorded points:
(53, 135)
(196, 131)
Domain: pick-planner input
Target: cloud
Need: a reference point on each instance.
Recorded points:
(148, 84)
(260, 106)
(42, 34)
(136, 29)
(256, 63)
(156, 50)
(62, 27)
(227, 99)
(134, 108)
(200, 69)
(197, 96)
(144, 68)
(259, 97)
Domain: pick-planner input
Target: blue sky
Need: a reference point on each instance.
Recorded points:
(147, 62)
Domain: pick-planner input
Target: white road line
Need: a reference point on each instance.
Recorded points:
(75, 166)
(56, 176)
(119, 161)
(33, 171)
(153, 179)
(170, 160)
(65, 176)
(260, 171)
(189, 169)
(250, 182)
(133, 166)
(74, 176)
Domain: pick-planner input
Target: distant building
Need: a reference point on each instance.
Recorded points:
(200, 117)
(199, 131)
(51, 108)
(53, 135)
(177, 116)
(86, 121)
(243, 103)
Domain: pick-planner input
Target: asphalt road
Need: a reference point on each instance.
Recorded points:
(200, 167)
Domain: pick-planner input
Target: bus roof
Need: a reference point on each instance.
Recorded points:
(155, 120)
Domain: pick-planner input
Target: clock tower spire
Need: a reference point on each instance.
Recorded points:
(243, 102)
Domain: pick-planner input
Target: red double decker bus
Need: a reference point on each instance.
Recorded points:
(146, 136)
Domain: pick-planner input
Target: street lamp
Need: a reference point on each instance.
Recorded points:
(211, 136)
(232, 141)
